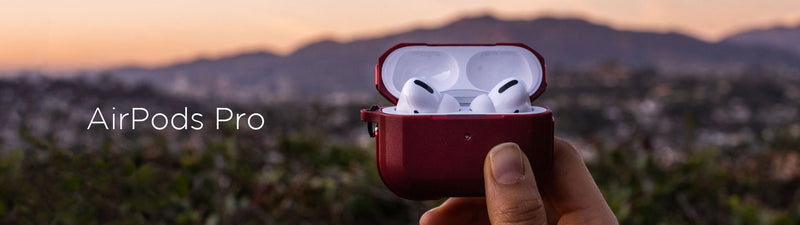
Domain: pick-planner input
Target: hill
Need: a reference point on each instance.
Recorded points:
(344, 70)
(787, 38)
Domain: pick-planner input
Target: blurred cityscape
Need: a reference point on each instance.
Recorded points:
(674, 130)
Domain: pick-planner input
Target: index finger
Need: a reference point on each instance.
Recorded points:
(569, 187)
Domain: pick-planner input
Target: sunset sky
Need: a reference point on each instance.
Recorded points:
(96, 34)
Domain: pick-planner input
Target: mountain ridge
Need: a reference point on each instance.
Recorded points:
(328, 66)
(777, 37)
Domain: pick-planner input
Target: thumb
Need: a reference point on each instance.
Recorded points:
(511, 193)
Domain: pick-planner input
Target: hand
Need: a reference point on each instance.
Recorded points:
(564, 194)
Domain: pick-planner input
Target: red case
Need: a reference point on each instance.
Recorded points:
(441, 155)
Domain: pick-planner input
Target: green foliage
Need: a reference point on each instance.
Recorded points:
(703, 189)
(311, 165)
(300, 181)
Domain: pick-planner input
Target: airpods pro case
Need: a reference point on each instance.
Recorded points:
(435, 155)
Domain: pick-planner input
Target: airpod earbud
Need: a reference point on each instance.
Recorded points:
(508, 96)
(419, 97)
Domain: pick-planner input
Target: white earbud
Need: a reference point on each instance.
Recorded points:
(419, 97)
(508, 96)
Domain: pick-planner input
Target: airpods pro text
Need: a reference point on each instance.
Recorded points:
(140, 116)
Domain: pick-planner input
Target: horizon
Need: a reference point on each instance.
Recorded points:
(54, 45)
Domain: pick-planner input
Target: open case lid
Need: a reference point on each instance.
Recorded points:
(461, 70)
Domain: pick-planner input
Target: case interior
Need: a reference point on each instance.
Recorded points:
(463, 72)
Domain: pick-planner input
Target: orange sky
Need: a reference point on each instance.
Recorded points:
(93, 34)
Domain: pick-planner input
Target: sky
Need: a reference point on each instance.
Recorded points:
(98, 34)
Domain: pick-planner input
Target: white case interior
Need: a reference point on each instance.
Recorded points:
(391, 110)
(463, 72)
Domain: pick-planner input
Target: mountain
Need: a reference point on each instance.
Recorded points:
(201, 75)
(331, 69)
(787, 38)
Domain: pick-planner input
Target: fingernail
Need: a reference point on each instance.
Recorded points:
(507, 164)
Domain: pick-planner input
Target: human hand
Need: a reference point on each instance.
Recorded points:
(563, 194)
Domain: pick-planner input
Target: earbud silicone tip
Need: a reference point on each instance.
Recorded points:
(449, 104)
(481, 104)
